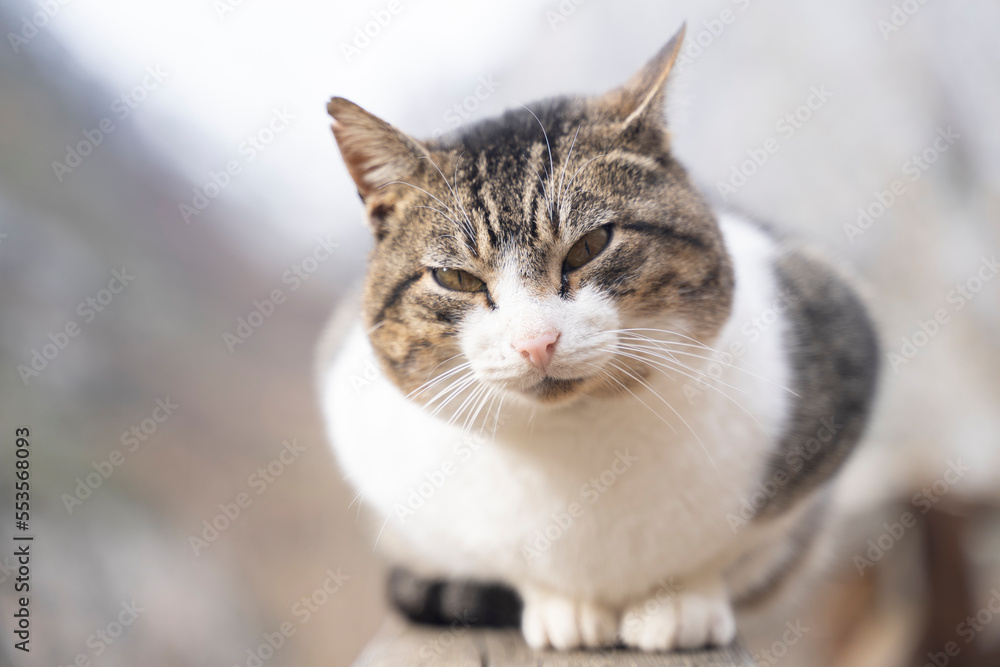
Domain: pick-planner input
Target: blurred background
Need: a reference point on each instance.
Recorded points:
(176, 225)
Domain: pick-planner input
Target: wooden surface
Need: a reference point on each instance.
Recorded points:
(399, 644)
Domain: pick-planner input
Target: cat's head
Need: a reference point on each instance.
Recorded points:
(530, 253)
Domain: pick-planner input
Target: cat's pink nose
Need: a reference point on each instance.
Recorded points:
(538, 350)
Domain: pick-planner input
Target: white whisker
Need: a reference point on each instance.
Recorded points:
(672, 409)
(545, 191)
(455, 388)
(720, 357)
(451, 189)
(563, 175)
(577, 172)
(709, 384)
(379, 537)
(552, 169)
(469, 400)
(440, 378)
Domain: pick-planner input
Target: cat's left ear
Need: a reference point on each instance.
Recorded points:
(641, 100)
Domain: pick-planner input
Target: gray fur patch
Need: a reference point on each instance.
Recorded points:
(833, 352)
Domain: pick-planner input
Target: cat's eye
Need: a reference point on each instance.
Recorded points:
(458, 280)
(587, 248)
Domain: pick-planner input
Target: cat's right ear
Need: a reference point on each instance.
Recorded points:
(376, 155)
(640, 102)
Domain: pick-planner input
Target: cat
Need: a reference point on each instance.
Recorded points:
(574, 396)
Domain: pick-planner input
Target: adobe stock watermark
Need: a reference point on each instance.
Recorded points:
(105, 636)
(303, 610)
(249, 150)
(786, 126)
(121, 108)
(701, 38)
(371, 29)
(750, 331)
(295, 276)
(7, 569)
(666, 594)
(562, 12)
(466, 108)
(433, 480)
(899, 16)
(924, 501)
(224, 8)
(590, 492)
(363, 379)
(258, 482)
(131, 440)
(795, 460)
(913, 168)
(438, 647)
(32, 23)
(793, 633)
(87, 311)
(957, 298)
(967, 630)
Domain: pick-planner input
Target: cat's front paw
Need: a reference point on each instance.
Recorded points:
(551, 620)
(695, 617)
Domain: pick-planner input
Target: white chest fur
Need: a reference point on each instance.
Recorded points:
(601, 498)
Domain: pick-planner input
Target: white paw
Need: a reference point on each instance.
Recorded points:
(691, 618)
(563, 623)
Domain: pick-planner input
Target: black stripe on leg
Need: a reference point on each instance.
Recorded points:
(444, 602)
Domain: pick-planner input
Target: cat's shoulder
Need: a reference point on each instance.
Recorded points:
(803, 270)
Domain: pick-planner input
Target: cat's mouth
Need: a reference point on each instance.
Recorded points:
(553, 389)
